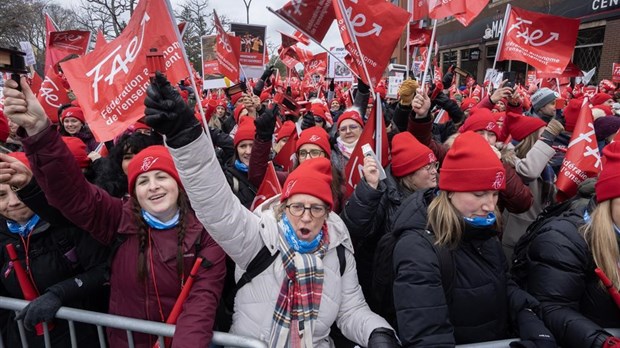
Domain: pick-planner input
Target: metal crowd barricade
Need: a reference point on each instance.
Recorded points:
(130, 325)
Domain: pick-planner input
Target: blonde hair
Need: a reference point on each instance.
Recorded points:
(446, 221)
(601, 238)
(215, 122)
(526, 144)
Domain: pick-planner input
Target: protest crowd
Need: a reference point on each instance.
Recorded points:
(309, 212)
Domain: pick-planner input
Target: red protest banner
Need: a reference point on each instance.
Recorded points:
(582, 158)
(420, 9)
(227, 50)
(52, 94)
(268, 188)
(111, 81)
(317, 65)
(546, 42)
(419, 37)
(440, 9)
(310, 17)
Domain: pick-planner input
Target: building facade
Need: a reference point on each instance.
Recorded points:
(473, 48)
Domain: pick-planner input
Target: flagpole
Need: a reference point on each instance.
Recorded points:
(378, 129)
(407, 43)
(313, 40)
(501, 37)
(353, 37)
(428, 55)
(189, 69)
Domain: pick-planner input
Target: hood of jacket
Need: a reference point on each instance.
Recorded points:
(412, 214)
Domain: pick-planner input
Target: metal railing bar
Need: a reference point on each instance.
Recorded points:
(46, 335)
(72, 334)
(101, 335)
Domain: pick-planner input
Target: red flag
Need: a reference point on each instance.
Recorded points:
(288, 40)
(543, 41)
(420, 9)
(101, 40)
(35, 83)
(111, 82)
(228, 50)
(286, 58)
(60, 44)
(615, 74)
(353, 169)
(571, 70)
(582, 158)
(286, 156)
(440, 9)
(419, 37)
(268, 188)
(301, 37)
(317, 65)
(301, 55)
(472, 10)
(182, 26)
(377, 27)
(312, 17)
(52, 95)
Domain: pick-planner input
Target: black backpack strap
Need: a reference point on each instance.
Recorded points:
(259, 263)
(446, 267)
(341, 258)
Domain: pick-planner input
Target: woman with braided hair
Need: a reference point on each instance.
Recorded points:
(155, 229)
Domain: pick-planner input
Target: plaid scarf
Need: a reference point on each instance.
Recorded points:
(300, 295)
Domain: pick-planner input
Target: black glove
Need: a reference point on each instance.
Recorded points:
(447, 79)
(266, 122)
(362, 87)
(383, 337)
(533, 332)
(41, 309)
(267, 73)
(168, 114)
(332, 85)
(307, 121)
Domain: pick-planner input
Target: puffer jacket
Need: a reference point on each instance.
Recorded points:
(561, 276)
(111, 221)
(241, 186)
(483, 300)
(242, 234)
(368, 216)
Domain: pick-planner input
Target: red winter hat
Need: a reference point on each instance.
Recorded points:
(350, 114)
(471, 165)
(606, 86)
(154, 157)
(235, 98)
(222, 103)
(468, 103)
(286, 130)
(481, 119)
(607, 185)
(312, 177)
(315, 135)
(78, 149)
(571, 113)
(600, 98)
(237, 113)
(20, 156)
(265, 94)
(73, 111)
(409, 155)
(606, 109)
(245, 131)
(318, 109)
(519, 126)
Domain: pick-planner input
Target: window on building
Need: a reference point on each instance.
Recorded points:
(448, 58)
(588, 49)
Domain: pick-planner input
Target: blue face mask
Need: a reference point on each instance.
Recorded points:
(157, 224)
(242, 167)
(25, 229)
(301, 246)
(479, 221)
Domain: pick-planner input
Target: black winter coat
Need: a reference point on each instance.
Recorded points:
(368, 215)
(574, 304)
(483, 301)
(241, 186)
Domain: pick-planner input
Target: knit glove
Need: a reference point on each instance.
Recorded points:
(168, 114)
(332, 85)
(407, 91)
(266, 123)
(447, 78)
(267, 73)
(41, 309)
(383, 338)
(553, 129)
(362, 87)
(307, 121)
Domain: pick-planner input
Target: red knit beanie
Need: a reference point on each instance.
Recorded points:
(235, 98)
(481, 119)
(318, 109)
(312, 177)
(350, 114)
(73, 111)
(471, 165)
(315, 135)
(237, 113)
(245, 131)
(409, 155)
(600, 98)
(20, 156)
(154, 157)
(607, 185)
(571, 113)
(468, 103)
(286, 130)
(78, 149)
(519, 126)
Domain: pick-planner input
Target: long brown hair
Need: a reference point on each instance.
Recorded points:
(601, 238)
(183, 203)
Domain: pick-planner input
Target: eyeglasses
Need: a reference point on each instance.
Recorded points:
(313, 153)
(351, 128)
(298, 209)
(429, 167)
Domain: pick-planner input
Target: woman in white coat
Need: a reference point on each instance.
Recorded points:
(295, 301)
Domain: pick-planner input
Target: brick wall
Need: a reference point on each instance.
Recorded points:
(611, 49)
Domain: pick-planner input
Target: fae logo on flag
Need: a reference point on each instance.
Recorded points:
(111, 81)
(312, 17)
(543, 41)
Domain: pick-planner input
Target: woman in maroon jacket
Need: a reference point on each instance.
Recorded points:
(157, 235)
